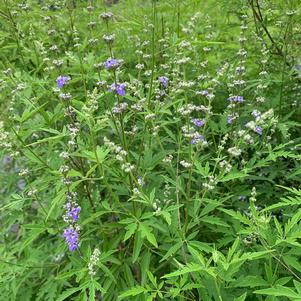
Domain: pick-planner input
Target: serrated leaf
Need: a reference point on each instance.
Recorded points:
(279, 291)
(172, 250)
(189, 268)
(70, 291)
(233, 176)
(167, 217)
(134, 291)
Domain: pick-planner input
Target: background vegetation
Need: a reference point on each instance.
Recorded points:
(150, 150)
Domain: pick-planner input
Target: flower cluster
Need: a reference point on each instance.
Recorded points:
(236, 98)
(62, 80)
(72, 210)
(164, 81)
(112, 63)
(119, 88)
(93, 262)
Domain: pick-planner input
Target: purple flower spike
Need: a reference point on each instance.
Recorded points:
(198, 122)
(74, 213)
(236, 98)
(232, 118)
(164, 81)
(119, 88)
(111, 63)
(258, 130)
(71, 238)
(62, 80)
(197, 139)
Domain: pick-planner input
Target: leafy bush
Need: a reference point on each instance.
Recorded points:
(150, 150)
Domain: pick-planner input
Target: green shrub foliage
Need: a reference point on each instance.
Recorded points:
(150, 150)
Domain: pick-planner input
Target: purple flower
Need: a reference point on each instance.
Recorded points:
(198, 122)
(232, 117)
(111, 63)
(119, 88)
(21, 184)
(62, 80)
(236, 98)
(258, 130)
(197, 139)
(202, 92)
(71, 238)
(7, 160)
(74, 213)
(255, 113)
(164, 81)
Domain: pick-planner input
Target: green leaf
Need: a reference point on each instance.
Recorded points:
(56, 201)
(293, 221)
(167, 217)
(214, 221)
(279, 291)
(146, 232)
(91, 291)
(189, 268)
(131, 229)
(241, 298)
(233, 176)
(134, 291)
(70, 291)
(172, 250)
(152, 278)
(137, 246)
(233, 249)
(253, 255)
(250, 281)
(202, 170)
(107, 272)
(32, 236)
(293, 262)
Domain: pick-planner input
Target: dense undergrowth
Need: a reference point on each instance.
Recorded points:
(150, 150)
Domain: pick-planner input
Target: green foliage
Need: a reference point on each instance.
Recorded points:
(187, 185)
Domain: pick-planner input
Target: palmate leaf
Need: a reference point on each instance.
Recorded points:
(49, 291)
(131, 229)
(146, 231)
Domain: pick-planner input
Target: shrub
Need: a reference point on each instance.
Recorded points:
(150, 150)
